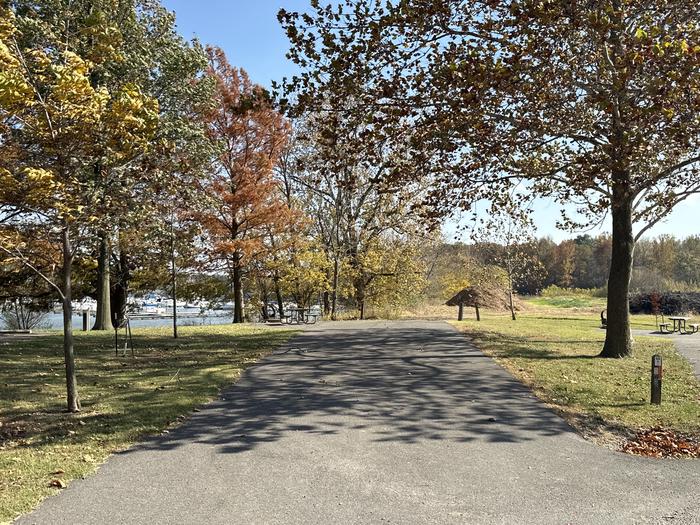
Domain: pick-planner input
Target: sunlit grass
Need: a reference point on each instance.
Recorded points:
(123, 398)
(556, 356)
(568, 301)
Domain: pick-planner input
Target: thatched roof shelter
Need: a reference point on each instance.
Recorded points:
(494, 298)
(478, 297)
(468, 297)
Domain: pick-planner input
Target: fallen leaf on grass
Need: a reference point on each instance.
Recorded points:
(58, 483)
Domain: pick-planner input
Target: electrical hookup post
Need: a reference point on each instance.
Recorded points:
(657, 373)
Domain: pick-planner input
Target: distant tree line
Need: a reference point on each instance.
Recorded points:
(664, 263)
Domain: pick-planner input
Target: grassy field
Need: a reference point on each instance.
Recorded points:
(569, 301)
(123, 398)
(560, 298)
(555, 355)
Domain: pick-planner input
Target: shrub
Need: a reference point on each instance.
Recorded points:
(600, 292)
(668, 303)
(646, 280)
(558, 291)
(23, 314)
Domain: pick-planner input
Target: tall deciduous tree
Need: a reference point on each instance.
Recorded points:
(593, 103)
(303, 273)
(162, 183)
(392, 274)
(167, 68)
(55, 128)
(353, 212)
(244, 201)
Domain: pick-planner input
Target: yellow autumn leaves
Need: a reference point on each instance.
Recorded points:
(13, 88)
(63, 120)
(106, 39)
(118, 123)
(130, 121)
(304, 274)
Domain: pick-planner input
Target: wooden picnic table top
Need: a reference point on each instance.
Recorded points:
(679, 318)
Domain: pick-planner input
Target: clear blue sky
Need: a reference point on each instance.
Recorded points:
(248, 31)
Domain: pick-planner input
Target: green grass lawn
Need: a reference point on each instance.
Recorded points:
(555, 355)
(568, 301)
(123, 398)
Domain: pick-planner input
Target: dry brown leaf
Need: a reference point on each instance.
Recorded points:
(659, 442)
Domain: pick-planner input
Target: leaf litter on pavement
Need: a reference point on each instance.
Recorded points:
(658, 442)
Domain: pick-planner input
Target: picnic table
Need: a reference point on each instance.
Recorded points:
(300, 315)
(680, 325)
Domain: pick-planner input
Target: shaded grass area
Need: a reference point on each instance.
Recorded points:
(123, 398)
(556, 357)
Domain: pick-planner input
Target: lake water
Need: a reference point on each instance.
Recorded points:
(185, 317)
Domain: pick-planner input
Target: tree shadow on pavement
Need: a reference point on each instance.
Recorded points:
(402, 383)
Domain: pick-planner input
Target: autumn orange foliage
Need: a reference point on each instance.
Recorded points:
(244, 202)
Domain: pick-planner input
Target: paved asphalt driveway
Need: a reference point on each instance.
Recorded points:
(687, 344)
(377, 422)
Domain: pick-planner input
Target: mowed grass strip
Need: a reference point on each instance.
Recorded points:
(568, 301)
(123, 398)
(556, 357)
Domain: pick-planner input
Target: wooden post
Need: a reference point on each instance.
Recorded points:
(478, 315)
(656, 377)
(460, 316)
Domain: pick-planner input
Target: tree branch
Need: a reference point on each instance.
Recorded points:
(29, 265)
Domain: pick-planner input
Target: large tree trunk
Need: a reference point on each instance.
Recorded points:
(103, 316)
(460, 315)
(263, 293)
(360, 296)
(326, 299)
(618, 340)
(237, 294)
(68, 353)
(326, 296)
(120, 289)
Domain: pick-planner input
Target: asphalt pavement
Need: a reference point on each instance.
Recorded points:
(688, 345)
(377, 422)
